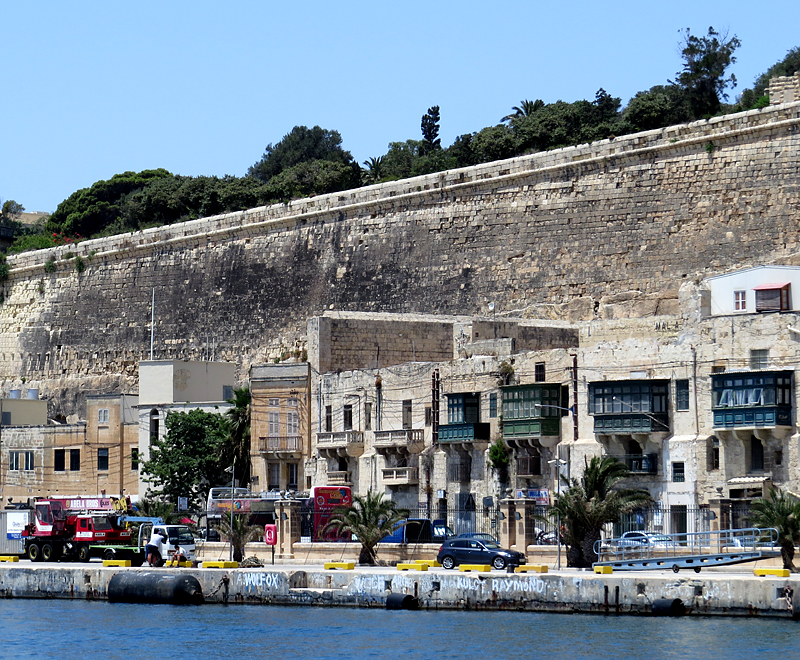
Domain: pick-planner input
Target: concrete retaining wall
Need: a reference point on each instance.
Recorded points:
(573, 591)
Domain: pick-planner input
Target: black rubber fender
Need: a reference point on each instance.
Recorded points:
(161, 587)
(668, 607)
(401, 602)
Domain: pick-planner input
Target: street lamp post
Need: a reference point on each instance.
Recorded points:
(232, 469)
(558, 462)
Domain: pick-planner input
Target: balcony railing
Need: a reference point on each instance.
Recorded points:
(478, 432)
(351, 441)
(631, 423)
(279, 444)
(400, 476)
(339, 478)
(640, 463)
(412, 440)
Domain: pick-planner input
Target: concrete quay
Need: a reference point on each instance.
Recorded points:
(713, 593)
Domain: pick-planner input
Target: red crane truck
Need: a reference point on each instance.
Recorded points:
(76, 528)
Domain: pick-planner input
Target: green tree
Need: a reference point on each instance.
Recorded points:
(705, 60)
(430, 131)
(782, 511)
(590, 503)
(89, 210)
(300, 145)
(314, 177)
(788, 66)
(238, 419)
(374, 170)
(370, 518)
(11, 210)
(662, 105)
(399, 160)
(499, 458)
(191, 458)
(239, 533)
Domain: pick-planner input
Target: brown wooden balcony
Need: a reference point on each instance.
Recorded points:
(340, 478)
(281, 445)
(400, 476)
(340, 443)
(400, 441)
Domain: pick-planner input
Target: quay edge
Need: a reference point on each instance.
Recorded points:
(707, 594)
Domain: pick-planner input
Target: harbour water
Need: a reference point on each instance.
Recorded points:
(61, 628)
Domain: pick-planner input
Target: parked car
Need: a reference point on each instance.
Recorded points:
(481, 536)
(637, 539)
(474, 551)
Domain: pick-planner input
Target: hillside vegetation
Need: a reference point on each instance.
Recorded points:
(312, 161)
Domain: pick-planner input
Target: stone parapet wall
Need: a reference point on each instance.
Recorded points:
(607, 230)
(784, 89)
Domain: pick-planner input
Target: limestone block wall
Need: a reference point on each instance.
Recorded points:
(606, 230)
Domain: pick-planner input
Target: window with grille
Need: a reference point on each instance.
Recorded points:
(678, 474)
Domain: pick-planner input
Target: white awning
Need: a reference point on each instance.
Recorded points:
(749, 481)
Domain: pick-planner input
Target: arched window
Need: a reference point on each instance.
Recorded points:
(154, 420)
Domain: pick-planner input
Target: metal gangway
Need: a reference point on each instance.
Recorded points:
(695, 550)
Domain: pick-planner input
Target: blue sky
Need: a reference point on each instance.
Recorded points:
(91, 89)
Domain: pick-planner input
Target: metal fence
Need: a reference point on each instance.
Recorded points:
(682, 519)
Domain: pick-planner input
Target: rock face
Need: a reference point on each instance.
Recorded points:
(607, 230)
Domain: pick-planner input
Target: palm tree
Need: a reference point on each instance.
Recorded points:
(239, 534)
(525, 109)
(370, 518)
(374, 171)
(592, 502)
(781, 511)
(239, 431)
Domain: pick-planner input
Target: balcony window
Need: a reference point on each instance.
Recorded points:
(407, 413)
(756, 455)
(631, 397)
(463, 408)
(273, 424)
(292, 423)
(348, 417)
(681, 395)
(367, 415)
(328, 419)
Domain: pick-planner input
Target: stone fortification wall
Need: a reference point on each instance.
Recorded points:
(604, 230)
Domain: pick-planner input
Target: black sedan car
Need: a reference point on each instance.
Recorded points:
(477, 551)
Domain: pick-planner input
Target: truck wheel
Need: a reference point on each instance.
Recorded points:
(47, 552)
(34, 552)
(83, 553)
(109, 555)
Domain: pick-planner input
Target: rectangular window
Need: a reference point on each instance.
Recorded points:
(492, 404)
(681, 395)
(74, 460)
(59, 462)
(273, 424)
(5, 419)
(740, 301)
(134, 459)
(227, 392)
(292, 403)
(539, 375)
(773, 298)
(367, 415)
(428, 416)
(274, 476)
(328, 419)
(102, 459)
(713, 454)
(678, 475)
(292, 423)
(759, 358)
(407, 413)
(347, 414)
(273, 403)
(291, 483)
(756, 454)
(102, 416)
(779, 457)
